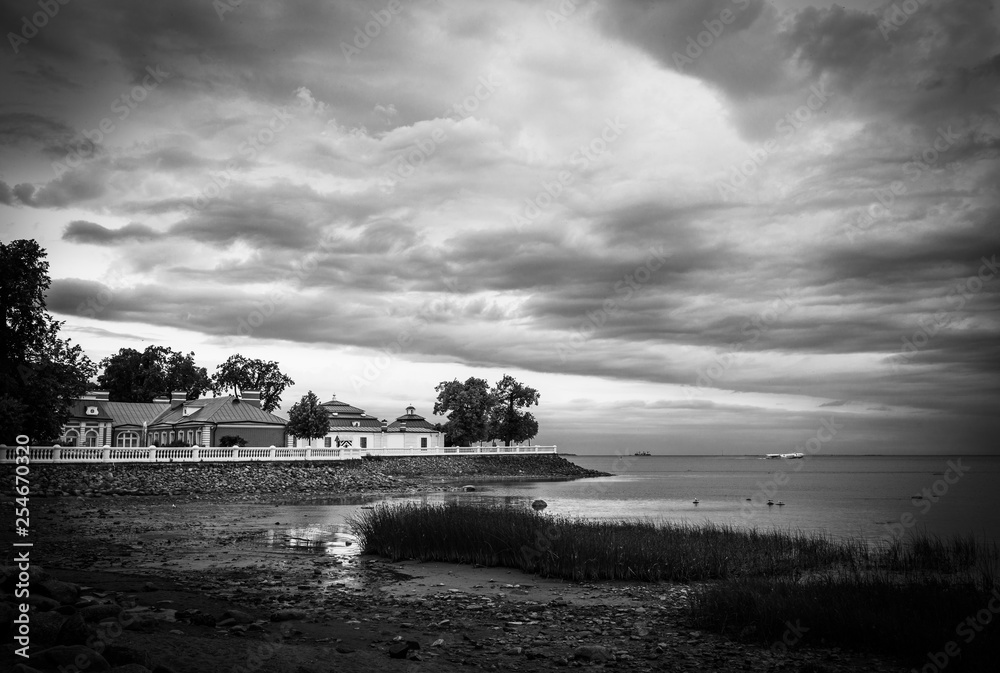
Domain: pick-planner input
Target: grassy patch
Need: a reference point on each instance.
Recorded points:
(903, 599)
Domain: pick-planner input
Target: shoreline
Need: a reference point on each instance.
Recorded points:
(388, 476)
(206, 593)
(207, 583)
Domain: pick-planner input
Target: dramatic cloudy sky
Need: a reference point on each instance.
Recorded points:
(694, 226)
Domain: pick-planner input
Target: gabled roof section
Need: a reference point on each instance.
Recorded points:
(411, 423)
(342, 408)
(221, 410)
(134, 413)
(241, 412)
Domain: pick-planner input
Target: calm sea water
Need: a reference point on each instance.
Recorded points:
(869, 497)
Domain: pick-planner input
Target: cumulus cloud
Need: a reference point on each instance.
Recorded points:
(81, 231)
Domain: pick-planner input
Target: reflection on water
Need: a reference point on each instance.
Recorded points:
(475, 498)
(330, 540)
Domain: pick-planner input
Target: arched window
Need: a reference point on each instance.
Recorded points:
(127, 439)
(171, 436)
(190, 437)
(72, 438)
(90, 439)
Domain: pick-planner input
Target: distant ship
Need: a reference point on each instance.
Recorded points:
(642, 453)
(786, 455)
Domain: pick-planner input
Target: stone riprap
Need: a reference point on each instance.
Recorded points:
(358, 476)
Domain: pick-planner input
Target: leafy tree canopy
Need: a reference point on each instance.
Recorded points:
(308, 418)
(40, 374)
(507, 421)
(478, 413)
(468, 406)
(239, 373)
(131, 376)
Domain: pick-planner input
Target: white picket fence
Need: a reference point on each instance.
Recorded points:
(245, 454)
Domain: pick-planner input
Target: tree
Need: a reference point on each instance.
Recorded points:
(468, 406)
(308, 418)
(239, 373)
(40, 374)
(131, 376)
(232, 440)
(507, 421)
(184, 374)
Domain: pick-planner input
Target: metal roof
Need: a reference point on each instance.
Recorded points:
(134, 413)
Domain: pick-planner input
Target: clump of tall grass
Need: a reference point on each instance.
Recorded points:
(904, 620)
(898, 598)
(579, 549)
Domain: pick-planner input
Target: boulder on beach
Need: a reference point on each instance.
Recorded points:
(593, 653)
(287, 615)
(539, 505)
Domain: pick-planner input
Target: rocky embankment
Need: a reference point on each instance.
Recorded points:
(357, 476)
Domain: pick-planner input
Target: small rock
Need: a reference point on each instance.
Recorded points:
(287, 615)
(45, 629)
(595, 653)
(64, 592)
(95, 613)
(43, 603)
(401, 649)
(240, 616)
(145, 624)
(74, 631)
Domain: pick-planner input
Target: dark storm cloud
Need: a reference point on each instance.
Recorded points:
(282, 214)
(27, 128)
(256, 48)
(845, 41)
(81, 231)
(743, 58)
(354, 319)
(893, 78)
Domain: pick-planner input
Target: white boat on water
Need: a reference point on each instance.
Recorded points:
(785, 455)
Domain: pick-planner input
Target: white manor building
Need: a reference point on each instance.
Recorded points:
(352, 428)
